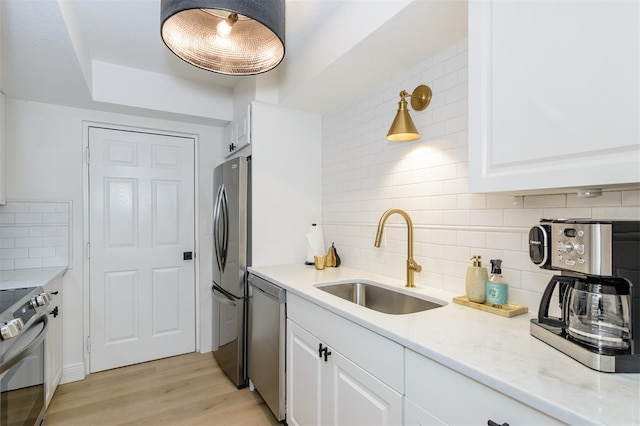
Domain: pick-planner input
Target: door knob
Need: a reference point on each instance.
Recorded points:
(187, 255)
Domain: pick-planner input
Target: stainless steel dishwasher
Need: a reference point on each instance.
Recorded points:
(266, 343)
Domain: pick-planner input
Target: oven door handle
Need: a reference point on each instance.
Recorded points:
(27, 350)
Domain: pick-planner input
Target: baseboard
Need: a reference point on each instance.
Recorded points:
(72, 373)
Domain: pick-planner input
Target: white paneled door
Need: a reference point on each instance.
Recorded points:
(142, 291)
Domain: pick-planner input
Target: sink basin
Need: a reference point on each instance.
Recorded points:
(380, 299)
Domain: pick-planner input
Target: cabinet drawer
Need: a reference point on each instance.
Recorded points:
(456, 399)
(375, 354)
(416, 416)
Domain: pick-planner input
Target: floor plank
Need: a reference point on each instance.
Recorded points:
(184, 390)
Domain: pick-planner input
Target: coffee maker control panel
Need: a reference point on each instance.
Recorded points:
(581, 247)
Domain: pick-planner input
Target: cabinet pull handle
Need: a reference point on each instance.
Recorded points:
(492, 423)
(327, 353)
(324, 351)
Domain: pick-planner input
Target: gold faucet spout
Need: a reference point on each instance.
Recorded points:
(412, 265)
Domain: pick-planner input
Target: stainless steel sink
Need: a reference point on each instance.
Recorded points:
(380, 299)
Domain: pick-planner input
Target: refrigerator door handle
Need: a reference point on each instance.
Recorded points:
(216, 226)
(222, 298)
(224, 215)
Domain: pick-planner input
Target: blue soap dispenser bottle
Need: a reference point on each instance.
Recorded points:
(497, 290)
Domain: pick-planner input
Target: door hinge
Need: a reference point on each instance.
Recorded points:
(88, 250)
(87, 155)
(89, 344)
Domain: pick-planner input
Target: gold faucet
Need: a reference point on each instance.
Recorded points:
(412, 266)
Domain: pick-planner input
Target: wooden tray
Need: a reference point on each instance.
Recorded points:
(509, 310)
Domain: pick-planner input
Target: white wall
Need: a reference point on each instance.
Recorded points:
(364, 174)
(45, 163)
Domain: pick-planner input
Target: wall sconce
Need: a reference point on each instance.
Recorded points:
(234, 37)
(402, 128)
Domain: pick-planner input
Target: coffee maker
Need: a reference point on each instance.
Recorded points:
(597, 291)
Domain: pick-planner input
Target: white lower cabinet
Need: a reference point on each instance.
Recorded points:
(324, 386)
(436, 395)
(53, 341)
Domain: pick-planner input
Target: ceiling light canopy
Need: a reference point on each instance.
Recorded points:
(402, 128)
(234, 37)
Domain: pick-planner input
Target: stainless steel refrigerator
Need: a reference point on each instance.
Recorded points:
(231, 254)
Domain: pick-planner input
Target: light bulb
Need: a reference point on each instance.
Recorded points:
(224, 28)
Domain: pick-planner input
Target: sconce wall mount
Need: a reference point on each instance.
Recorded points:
(402, 128)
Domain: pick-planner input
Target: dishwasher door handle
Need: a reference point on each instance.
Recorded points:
(275, 292)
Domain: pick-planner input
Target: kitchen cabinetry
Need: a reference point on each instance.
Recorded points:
(53, 342)
(333, 379)
(237, 134)
(553, 95)
(437, 395)
(286, 182)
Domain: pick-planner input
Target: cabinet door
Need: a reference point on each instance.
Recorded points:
(358, 398)
(305, 371)
(229, 144)
(553, 94)
(53, 342)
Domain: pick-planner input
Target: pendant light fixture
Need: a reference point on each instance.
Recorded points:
(402, 128)
(233, 37)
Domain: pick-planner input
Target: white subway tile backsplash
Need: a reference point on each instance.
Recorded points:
(12, 207)
(42, 252)
(364, 174)
(504, 241)
(28, 242)
(504, 202)
(616, 213)
(42, 207)
(42, 231)
(28, 218)
(14, 253)
(26, 263)
(7, 218)
(7, 264)
(13, 232)
(537, 201)
(55, 218)
(7, 243)
(34, 234)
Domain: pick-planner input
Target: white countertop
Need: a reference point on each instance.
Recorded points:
(496, 351)
(22, 278)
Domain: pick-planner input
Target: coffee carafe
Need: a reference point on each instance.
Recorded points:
(597, 319)
(594, 312)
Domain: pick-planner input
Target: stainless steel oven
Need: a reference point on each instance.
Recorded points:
(23, 328)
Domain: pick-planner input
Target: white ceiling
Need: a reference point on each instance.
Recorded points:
(108, 54)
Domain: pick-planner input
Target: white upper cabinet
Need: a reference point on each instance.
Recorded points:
(554, 94)
(237, 134)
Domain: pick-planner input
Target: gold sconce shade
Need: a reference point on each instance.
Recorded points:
(233, 37)
(402, 128)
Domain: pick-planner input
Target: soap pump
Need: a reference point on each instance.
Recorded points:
(476, 280)
(497, 289)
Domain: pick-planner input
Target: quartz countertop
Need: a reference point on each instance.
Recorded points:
(496, 351)
(34, 277)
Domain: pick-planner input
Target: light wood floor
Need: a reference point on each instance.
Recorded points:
(184, 390)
